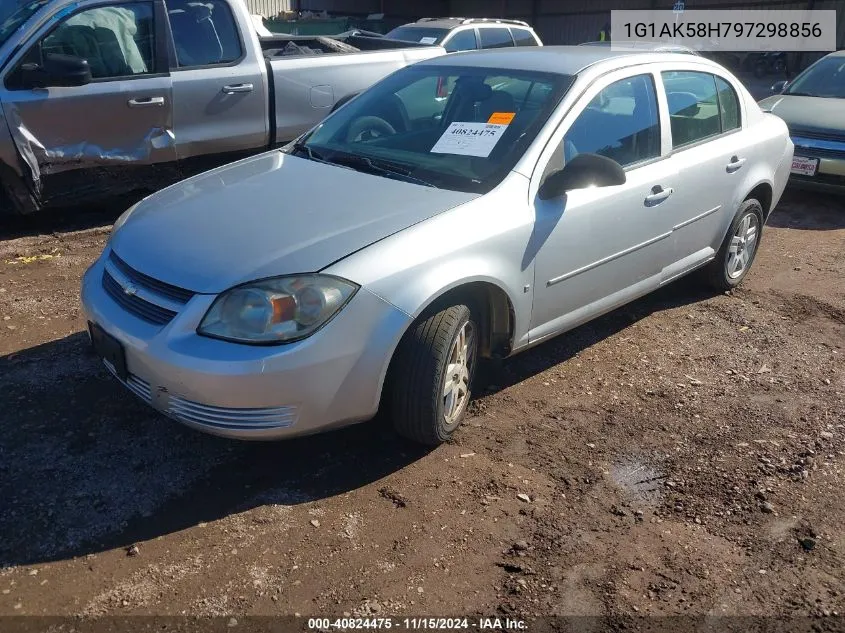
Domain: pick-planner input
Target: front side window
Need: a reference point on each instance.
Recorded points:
(451, 127)
(204, 33)
(495, 37)
(621, 122)
(116, 41)
(462, 41)
(523, 37)
(693, 106)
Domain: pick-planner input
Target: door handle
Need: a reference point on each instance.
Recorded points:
(735, 164)
(146, 102)
(238, 88)
(658, 194)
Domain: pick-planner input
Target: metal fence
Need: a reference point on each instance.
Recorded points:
(269, 8)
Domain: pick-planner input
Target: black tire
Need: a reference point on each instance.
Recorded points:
(717, 272)
(418, 404)
(6, 207)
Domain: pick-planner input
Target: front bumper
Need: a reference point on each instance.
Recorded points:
(330, 379)
(830, 175)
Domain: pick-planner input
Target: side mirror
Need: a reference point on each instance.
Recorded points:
(57, 71)
(582, 171)
(779, 86)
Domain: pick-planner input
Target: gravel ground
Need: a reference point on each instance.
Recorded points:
(680, 456)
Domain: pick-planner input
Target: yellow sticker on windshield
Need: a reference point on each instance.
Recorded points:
(501, 118)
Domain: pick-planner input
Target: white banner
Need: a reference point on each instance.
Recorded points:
(727, 30)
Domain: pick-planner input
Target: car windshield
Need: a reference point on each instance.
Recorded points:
(14, 14)
(448, 127)
(825, 78)
(418, 34)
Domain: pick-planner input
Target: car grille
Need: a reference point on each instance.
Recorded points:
(153, 285)
(132, 303)
(147, 298)
(822, 136)
(229, 418)
(223, 418)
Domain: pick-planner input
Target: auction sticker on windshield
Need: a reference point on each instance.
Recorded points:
(469, 139)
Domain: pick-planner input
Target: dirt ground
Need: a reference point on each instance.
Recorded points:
(681, 456)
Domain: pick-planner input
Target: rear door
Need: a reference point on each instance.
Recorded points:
(494, 37)
(461, 40)
(110, 134)
(708, 154)
(220, 98)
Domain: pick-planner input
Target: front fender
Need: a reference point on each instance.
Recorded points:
(485, 240)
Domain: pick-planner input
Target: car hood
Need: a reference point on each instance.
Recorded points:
(272, 214)
(815, 114)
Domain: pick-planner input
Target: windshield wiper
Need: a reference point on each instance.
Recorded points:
(302, 147)
(381, 168)
(799, 94)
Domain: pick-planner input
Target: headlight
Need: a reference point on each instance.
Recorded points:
(277, 310)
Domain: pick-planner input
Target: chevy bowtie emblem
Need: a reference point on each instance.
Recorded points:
(130, 290)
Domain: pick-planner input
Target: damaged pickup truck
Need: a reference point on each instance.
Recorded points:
(101, 98)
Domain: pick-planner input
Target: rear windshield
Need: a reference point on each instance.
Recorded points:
(418, 34)
(453, 127)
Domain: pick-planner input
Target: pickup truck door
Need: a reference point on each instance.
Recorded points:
(111, 134)
(220, 95)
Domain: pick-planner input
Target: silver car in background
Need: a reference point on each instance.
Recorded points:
(465, 207)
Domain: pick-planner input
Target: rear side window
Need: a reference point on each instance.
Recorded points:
(523, 37)
(462, 41)
(495, 37)
(728, 105)
(204, 34)
(693, 106)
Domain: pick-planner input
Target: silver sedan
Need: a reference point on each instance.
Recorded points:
(466, 207)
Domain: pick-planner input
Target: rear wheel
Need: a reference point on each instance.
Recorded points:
(432, 381)
(734, 259)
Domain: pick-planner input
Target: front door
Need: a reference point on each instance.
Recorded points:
(110, 134)
(597, 248)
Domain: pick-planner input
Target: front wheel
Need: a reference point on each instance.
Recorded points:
(433, 375)
(734, 259)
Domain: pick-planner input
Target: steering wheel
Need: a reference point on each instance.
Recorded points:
(367, 128)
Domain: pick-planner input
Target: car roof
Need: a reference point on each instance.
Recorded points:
(563, 60)
(642, 46)
(453, 23)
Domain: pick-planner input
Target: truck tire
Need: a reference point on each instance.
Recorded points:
(5, 203)
(343, 101)
(432, 378)
(15, 199)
